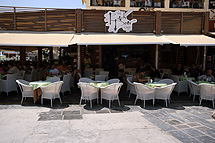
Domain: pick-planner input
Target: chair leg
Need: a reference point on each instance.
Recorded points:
(41, 100)
(51, 102)
(153, 101)
(101, 100)
(80, 101)
(178, 93)
(193, 97)
(166, 103)
(97, 100)
(91, 105)
(109, 103)
(60, 99)
(213, 103)
(144, 103)
(129, 94)
(119, 102)
(135, 101)
(22, 100)
(200, 102)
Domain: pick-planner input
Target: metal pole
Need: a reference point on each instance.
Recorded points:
(156, 57)
(197, 56)
(204, 60)
(79, 57)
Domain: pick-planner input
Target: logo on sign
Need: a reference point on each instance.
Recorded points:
(118, 19)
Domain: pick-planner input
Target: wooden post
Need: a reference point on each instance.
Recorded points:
(156, 56)
(45, 19)
(182, 22)
(40, 58)
(204, 59)
(158, 23)
(22, 55)
(51, 53)
(78, 20)
(14, 18)
(206, 28)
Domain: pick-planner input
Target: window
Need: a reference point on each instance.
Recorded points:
(199, 4)
(111, 3)
(211, 4)
(147, 3)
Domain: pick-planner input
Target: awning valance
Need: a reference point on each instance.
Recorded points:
(116, 39)
(46, 39)
(190, 40)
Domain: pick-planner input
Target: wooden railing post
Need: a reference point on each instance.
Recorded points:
(14, 18)
(46, 19)
(78, 20)
(158, 23)
(206, 28)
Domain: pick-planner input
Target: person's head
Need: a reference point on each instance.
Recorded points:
(142, 72)
(153, 68)
(209, 72)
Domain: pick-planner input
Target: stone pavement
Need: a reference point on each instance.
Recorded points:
(182, 121)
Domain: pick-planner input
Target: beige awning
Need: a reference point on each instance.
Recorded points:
(116, 39)
(190, 40)
(46, 39)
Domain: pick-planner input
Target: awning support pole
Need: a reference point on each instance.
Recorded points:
(22, 55)
(79, 57)
(204, 60)
(156, 57)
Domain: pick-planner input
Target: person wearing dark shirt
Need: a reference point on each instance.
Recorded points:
(154, 73)
(194, 72)
(140, 77)
(140, 68)
(178, 70)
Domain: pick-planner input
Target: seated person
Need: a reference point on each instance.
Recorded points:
(53, 70)
(154, 73)
(12, 69)
(194, 72)
(178, 70)
(207, 77)
(140, 77)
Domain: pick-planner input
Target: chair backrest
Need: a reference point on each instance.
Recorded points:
(11, 81)
(99, 69)
(115, 80)
(24, 87)
(53, 79)
(88, 73)
(207, 91)
(175, 78)
(190, 86)
(195, 87)
(112, 89)
(104, 73)
(51, 90)
(66, 83)
(87, 89)
(85, 79)
(167, 81)
(161, 74)
(129, 80)
(166, 90)
(100, 77)
(23, 81)
(142, 89)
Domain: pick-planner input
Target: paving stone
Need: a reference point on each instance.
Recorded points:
(116, 111)
(71, 112)
(88, 112)
(192, 132)
(50, 117)
(206, 139)
(182, 126)
(194, 124)
(102, 111)
(185, 138)
(72, 117)
(207, 131)
(173, 122)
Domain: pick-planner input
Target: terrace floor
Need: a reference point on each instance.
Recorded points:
(183, 121)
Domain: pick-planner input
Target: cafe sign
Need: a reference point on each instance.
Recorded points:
(118, 19)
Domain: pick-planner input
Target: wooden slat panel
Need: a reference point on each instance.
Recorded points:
(6, 21)
(171, 22)
(192, 23)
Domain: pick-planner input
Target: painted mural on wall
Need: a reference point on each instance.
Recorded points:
(118, 19)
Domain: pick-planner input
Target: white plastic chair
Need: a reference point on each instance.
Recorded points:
(72, 81)
(207, 92)
(111, 92)
(165, 92)
(66, 83)
(100, 77)
(131, 87)
(22, 75)
(29, 77)
(53, 79)
(51, 91)
(190, 87)
(26, 90)
(88, 73)
(88, 92)
(167, 81)
(85, 79)
(144, 92)
(97, 70)
(9, 84)
(195, 89)
(24, 81)
(182, 86)
(104, 73)
(111, 81)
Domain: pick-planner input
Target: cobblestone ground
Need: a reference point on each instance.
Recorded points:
(182, 121)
